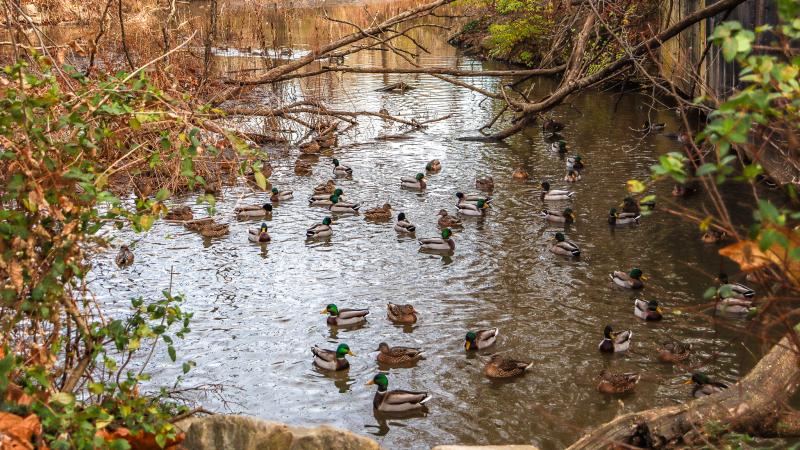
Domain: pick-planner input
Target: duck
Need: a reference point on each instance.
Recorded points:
(447, 221)
(575, 163)
(572, 176)
(484, 183)
(617, 383)
(181, 213)
(469, 209)
(280, 196)
(259, 234)
(403, 225)
(303, 168)
(674, 352)
(380, 213)
(621, 219)
(395, 401)
(501, 367)
(325, 199)
(630, 280)
(713, 236)
(344, 317)
(554, 194)
(559, 146)
(649, 311)
(615, 341)
(566, 217)
(124, 257)
(332, 359)
(685, 189)
(325, 188)
(442, 244)
(339, 206)
(481, 339)
(520, 174)
(397, 355)
(433, 165)
(214, 230)
(551, 126)
(253, 211)
(564, 247)
(417, 182)
(340, 170)
(403, 314)
(647, 126)
(734, 305)
(472, 198)
(321, 229)
(704, 386)
(733, 290)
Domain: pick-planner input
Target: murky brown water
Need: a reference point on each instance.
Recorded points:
(257, 308)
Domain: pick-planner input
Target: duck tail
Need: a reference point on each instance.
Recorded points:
(528, 367)
(426, 399)
(576, 252)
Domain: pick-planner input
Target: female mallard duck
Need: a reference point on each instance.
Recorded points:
(566, 217)
(575, 163)
(500, 367)
(181, 213)
(558, 146)
(397, 355)
(248, 212)
(325, 188)
(564, 247)
(447, 221)
(649, 311)
(554, 194)
(303, 168)
(704, 386)
(630, 280)
(215, 230)
(733, 290)
(615, 218)
(481, 339)
(572, 176)
(311, 147)
(472, 198)
(551, 126)
(615, 342)
(259, 234)
(485, 183)
(124, 257)
(321, 229)
(338, 206)
(340, 170)
(634, 207)
(332, 359)
(470, 209)
(433, 165)
(617, 383)
(398, 400)
(380, 213)
(674, 352)
(404, 314)
(418, 182)
(520, 174)
(279, 196)
(344, 317)
(403, 225)
(442, 244)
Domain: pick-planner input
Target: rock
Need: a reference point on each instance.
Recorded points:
(247, 433)
(485, 447)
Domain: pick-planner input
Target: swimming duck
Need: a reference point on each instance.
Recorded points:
(481, 339)
(397, 355)
(472, 198)
(484, 183)
(418, 182)
(566, 217)
(714, 236)
(403, 225)
(321, 229)
(520, 174)
(332, 359)
(615, 218)
(433, 165)
(554, 194)
(630, 206)
(685, 189)
(564, 247)
(551, 126)
(442, 244)
(446, 220)
(572, 176)
(469, 209)
(380, 213)
(617, 383)
(214, 230)
(253, 212)
(674, 352)
(344, 317)
(179, 213)
(325, 199)
(340, 170)
(339, 206)
(259, 234)
(733, 290)
(398, 400)
(500, 367)
(704, 386)
(405, 314)
(280, 196)
(124, 257)
(303, 167)
(649, 311)
(325, 188)
(575, 163)
(630, 280)
(647, 126)
(558, 146)
(615, 342)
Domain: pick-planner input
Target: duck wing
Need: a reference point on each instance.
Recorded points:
(424, 241)
(404, 351)
(321, 353)
(400, 396)
(351, 313)
(623, 337)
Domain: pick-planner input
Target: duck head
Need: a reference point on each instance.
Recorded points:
(326, 221)
(338, 192)
(330, 309)
(560, 237)
(653, 305)
(608, 332)
(698, 378)
(419, 177)
(263, 228)
(612, 212)
(635, 273)
(275, 191)
(383, 346)
(446, 233)
(562, 146)
(380, 380)
(343, 350)
(569, 213)
(481, 204)
(335, 162)
(442, 212)
(267, 207)
(469, 341)
(401, 217)
(460, 195)
(545, 186)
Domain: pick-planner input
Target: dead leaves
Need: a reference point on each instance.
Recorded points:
(17, 433)
(750, 257)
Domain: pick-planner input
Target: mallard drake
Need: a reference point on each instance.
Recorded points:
(564, 247)
(572, 176)
(124, 257)
(403, 225)
(280, 196)
(344, 317)
(674, 352)
(733, 290)
(630, 280)
(713, 236)
(433, 165)
(500, 367)
(447, 221)
(325, 188)
(551, 126)
(405, 314)
(472, 198)
(566, 217)
(484, 183)
(321, 229)
(338, 206)
(704, 386)
(470, 209)
(397, 355)
(575, 163)
(615, 342)
(340, 170)
(558, 146)
(259, 234)
(520, 174)
(442, 244)
(179, 213)
(398, 400)
(621, 219)
(332, 359)
(248, 212)
(417, 182)
(554, 194)
(380, 213)
(481, 339)
(649, 311)
(617, 383)
(326, 200)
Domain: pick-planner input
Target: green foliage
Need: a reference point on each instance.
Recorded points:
(471, 26)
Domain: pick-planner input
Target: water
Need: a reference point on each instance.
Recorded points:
(256, 308)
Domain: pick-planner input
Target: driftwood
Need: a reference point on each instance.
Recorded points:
(396, 87)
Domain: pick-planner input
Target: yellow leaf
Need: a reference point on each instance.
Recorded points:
(635, 186)
(261, 180)
(706, 223)
(146, 221)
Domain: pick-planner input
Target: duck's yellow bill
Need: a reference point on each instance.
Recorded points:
(659, 310)
(370, 382)
(466, 345)
(689, 381)
(324, 311)
(644, 277)
(351, 353)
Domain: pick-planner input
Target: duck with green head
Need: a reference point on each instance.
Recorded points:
(340, 170)
(733, 298)
(564, 247)
(397, 355)
(395, 401)
(481, 339)
(415, 183)
(332, 359)
(621, 219)
(630, 280)
(325, 199)
(320, 230)
(566, 217)
(472, 198)
(259, 234)
(650, 311)
(502, 367)
(341, 207)
(249, 212)
(704, 385)
(575, 163)
(344, 317)
(617, 383)
(280, 196)
(559, 146)
(615, 341)
(433, 165)
(403, 225)
(439, 244)
(478, 209)
(554, 194)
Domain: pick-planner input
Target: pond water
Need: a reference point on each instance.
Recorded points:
(256, 308)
